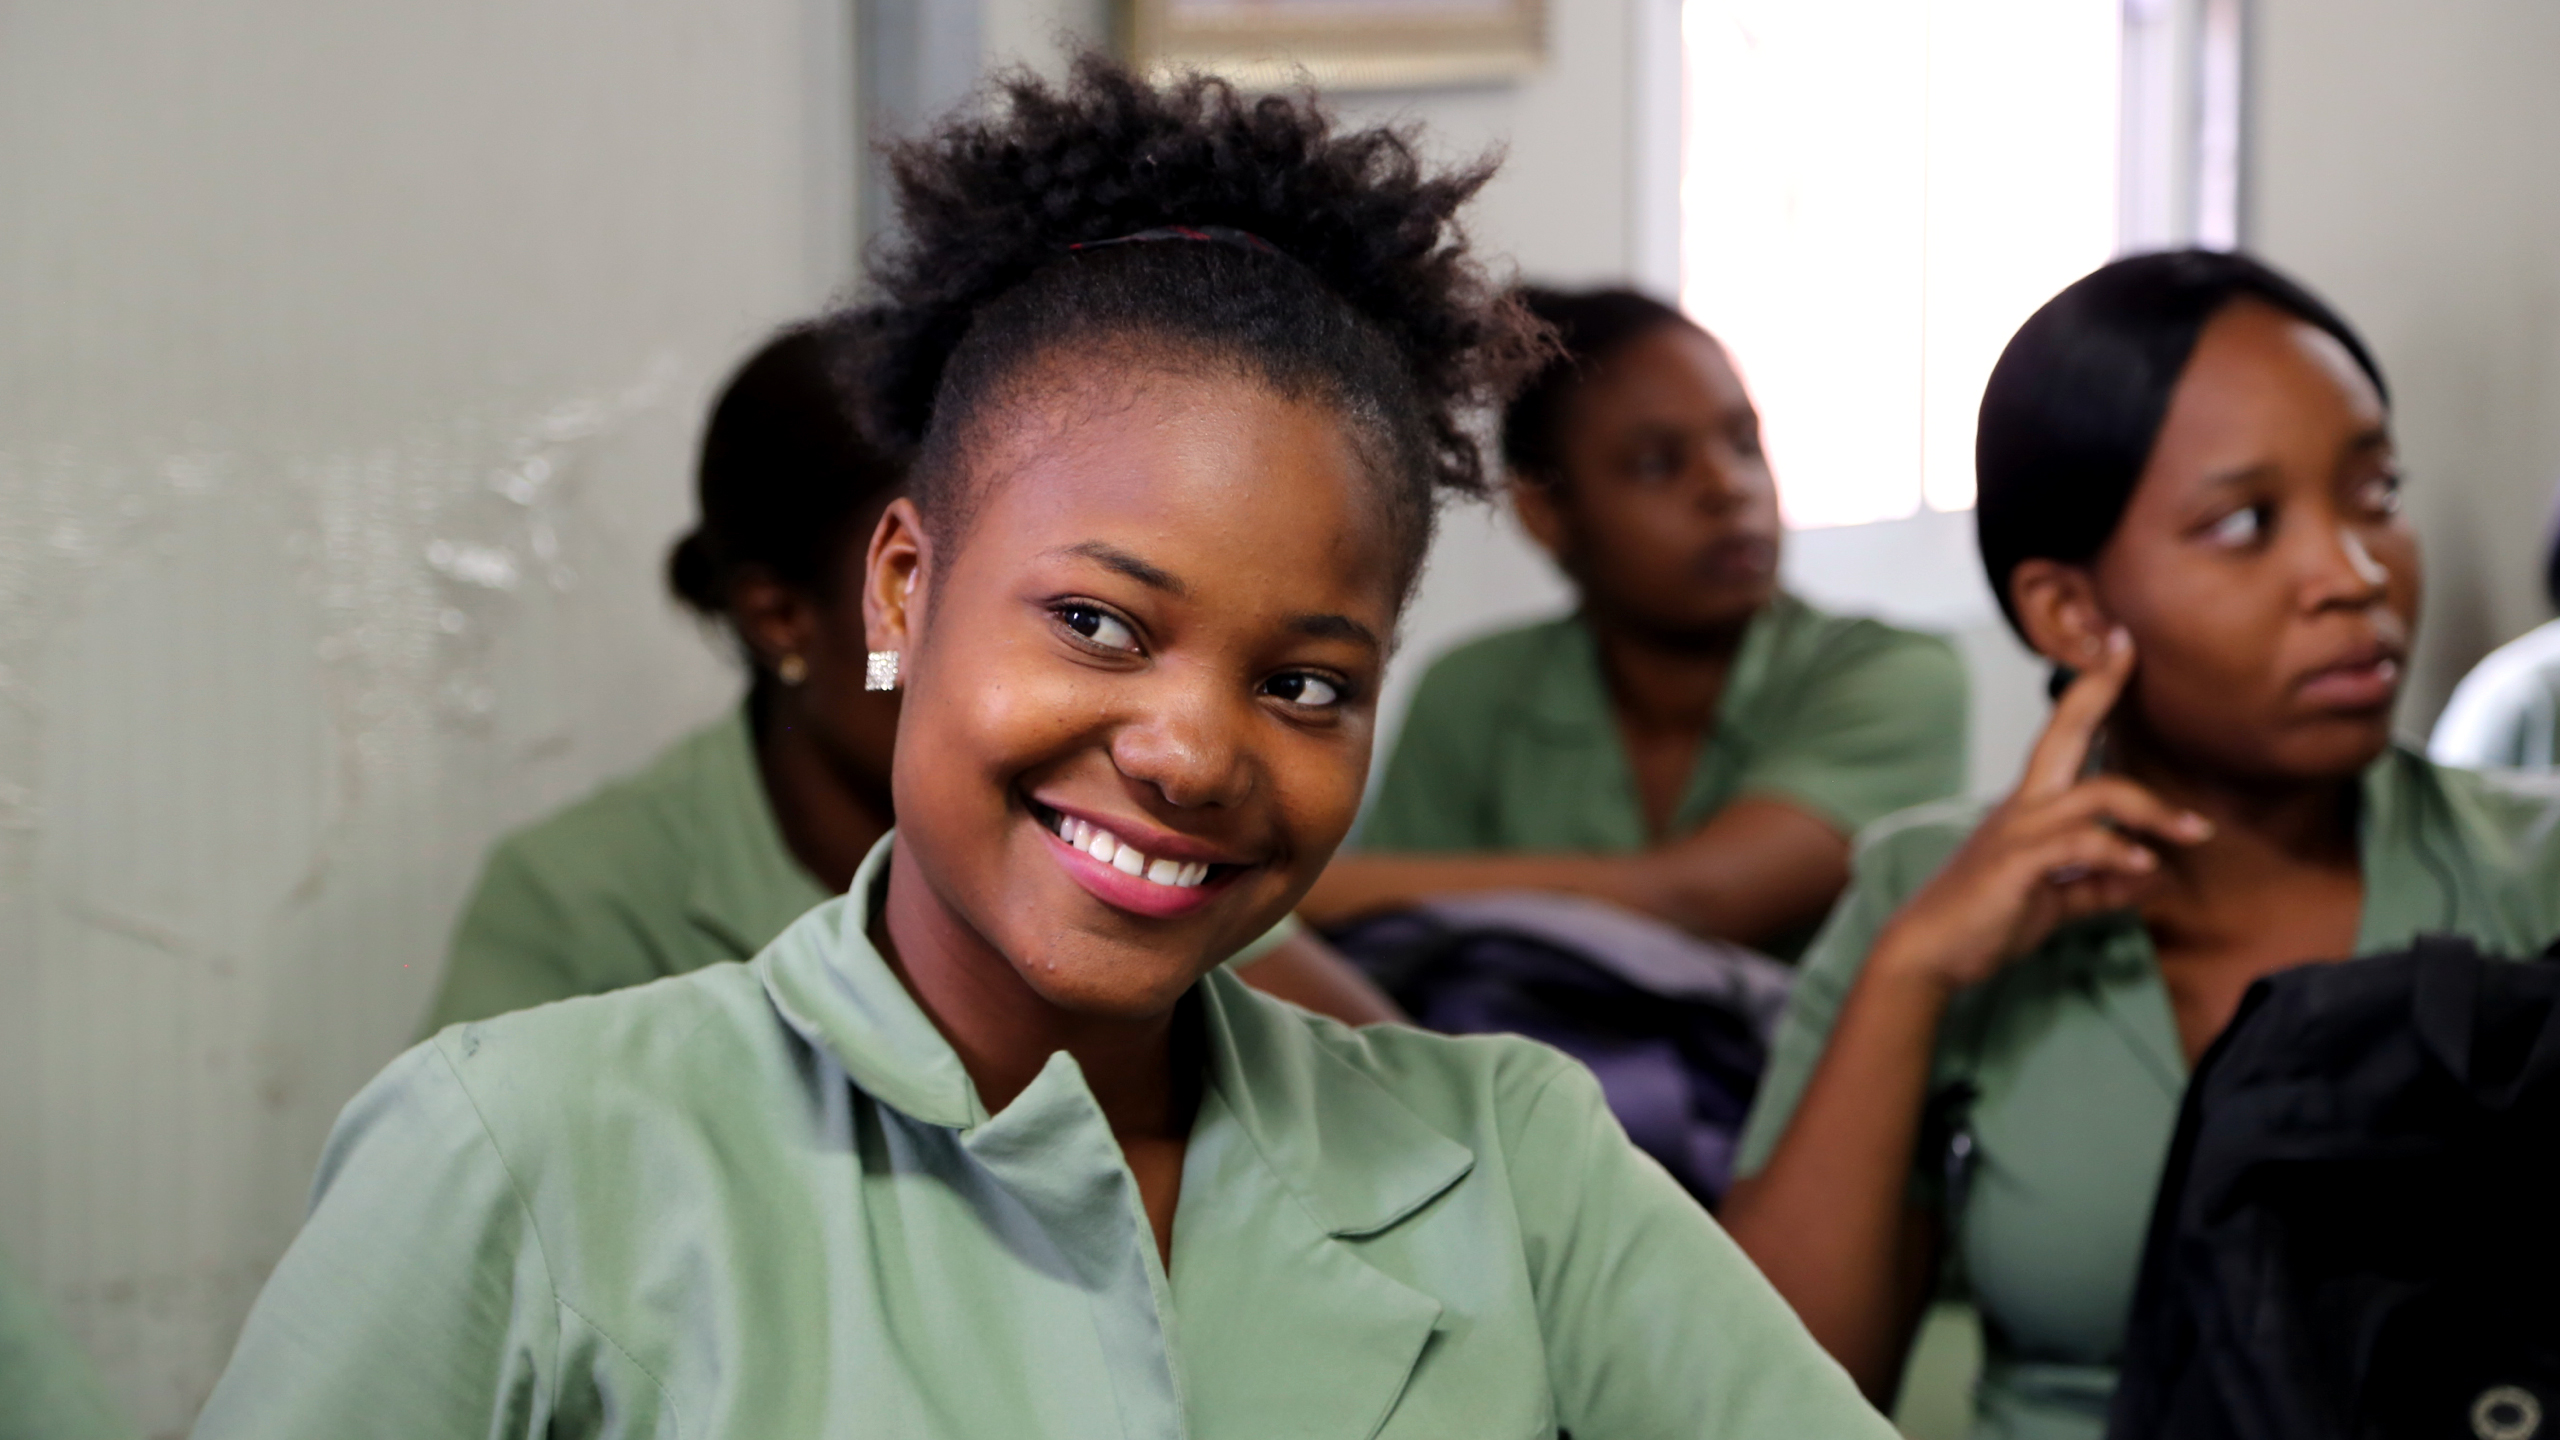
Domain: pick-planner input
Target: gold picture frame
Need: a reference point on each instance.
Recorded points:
(1340, 44)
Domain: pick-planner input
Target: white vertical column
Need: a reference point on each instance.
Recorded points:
(2185, 86)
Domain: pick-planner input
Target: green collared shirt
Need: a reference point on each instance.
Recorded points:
(48, 1391)
(1511, 743)
(2074, 1054)
(765, 1200)
(677, 867)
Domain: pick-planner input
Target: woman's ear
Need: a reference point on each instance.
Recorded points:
(2058, 608)
(894, 584)
(771, 618)
(1534, 501)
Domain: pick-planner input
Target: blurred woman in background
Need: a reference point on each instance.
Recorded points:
(1692, 742)
(743, 826)
(2189, 497)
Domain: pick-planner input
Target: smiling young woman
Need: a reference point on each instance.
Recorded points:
(746, 824)
(2190, 497)
(992, 1145)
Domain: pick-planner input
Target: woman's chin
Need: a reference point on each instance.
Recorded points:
(1130, 985)
(2334, 747)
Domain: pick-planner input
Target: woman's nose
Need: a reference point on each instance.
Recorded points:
(1716, 484)
(1190, 747)
(2347, 570)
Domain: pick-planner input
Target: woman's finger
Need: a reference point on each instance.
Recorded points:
(2124, 805)
(2060, 752)
(2085, 854)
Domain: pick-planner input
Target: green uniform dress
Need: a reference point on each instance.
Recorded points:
(677, 867)
(766, 1200)
(47, 1389)
(1511, 744)
(2074, 1054)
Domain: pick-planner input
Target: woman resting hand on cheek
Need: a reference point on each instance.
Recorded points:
(2189, 496)
(992, 1146)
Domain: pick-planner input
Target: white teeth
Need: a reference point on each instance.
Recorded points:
(1108, 848)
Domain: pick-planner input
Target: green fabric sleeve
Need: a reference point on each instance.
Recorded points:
(1881, 733)
(1823, 977)
(524, 941)
(1656, 1323)
(1893, 860)
(47, 1389)
(415, 1299)
(1432, 798)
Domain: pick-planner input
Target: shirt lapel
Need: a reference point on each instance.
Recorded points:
(1285, 1328)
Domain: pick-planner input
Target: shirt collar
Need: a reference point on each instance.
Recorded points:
(1570, 700)
(2431, 861)
(1352, 1153)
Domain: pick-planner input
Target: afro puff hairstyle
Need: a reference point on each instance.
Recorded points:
(1333, 268)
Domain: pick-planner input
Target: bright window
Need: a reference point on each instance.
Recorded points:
(1874, 194)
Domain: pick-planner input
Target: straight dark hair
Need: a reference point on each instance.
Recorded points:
(2073, 408)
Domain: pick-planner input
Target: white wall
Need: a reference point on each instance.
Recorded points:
(2403, 165)
(351, 368)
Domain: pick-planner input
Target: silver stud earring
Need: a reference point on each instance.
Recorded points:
(791, 670)
(880, 670)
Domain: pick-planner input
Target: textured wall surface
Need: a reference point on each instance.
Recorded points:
(2402, 163)
(350, 363)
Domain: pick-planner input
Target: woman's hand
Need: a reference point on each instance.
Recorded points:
(2059, 848)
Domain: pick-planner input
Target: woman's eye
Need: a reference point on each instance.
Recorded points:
(2240, 527)
(1099, 626)
(1656, 464)
(1312, 691)
(2381, 494)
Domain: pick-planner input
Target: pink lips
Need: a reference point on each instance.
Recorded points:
(1133, 893)
(2368, 684)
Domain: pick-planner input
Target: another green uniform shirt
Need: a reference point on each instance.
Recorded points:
(2074, 1054)
(677, 867)
(1511, 743)
(47, 1389)
(765, 1200)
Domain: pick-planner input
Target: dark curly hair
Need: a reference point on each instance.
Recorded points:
(1590, 326)
(786, 474)
(1349, 281)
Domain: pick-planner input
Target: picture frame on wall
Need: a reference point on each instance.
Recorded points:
(1340, 44)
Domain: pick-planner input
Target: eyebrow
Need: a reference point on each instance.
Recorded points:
(1156, 577)
(1152, 576)
(2362, 443)
(2240, 475)
(1336, 627)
